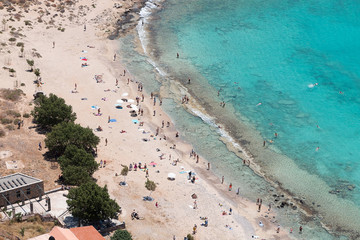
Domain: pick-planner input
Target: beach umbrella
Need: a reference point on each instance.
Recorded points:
(119, 101)
(124, 94)
(171, 176)
(131, 100)
(133, 106)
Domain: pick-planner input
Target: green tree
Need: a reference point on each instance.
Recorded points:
(52, 110)
(151, 186)
(91, 203)
(75, 175)
(65, 134)
(121, 235)
(74, 156)
(124, 172)
(37, 73)
(31, 64)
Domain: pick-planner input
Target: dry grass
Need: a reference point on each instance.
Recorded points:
(32, 227)
(11, 94)
(22, 142)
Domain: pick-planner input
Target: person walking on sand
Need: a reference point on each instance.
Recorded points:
(40, 147)
(147, 173)
(106, 141)
(195, 205)
(53, 44)
(115, 59)
(108, 119)
(259, 209)
(238, 191)
(278, 229)
(156, 205)
(116, 82)
(230, 187)
(300, 229)
(194, 229)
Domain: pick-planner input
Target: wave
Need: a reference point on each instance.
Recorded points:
(145, 14)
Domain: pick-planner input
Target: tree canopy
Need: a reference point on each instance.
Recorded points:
(52, 110)
(77, 165)
(91, 203)
(65, 134)
(74, 156)
(75, 175)
(121, 235)
(150, 185)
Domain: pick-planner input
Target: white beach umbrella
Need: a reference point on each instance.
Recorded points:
(131, 100)
(171, 176)
(125, 94)
(119, 101)
(134, 107)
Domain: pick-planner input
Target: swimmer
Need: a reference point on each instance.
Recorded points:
(317, 149)
(258, 104)
(341, 92)
(312, 85)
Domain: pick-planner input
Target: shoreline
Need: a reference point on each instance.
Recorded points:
(306, 208)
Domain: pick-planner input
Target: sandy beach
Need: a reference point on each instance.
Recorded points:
(80, 64)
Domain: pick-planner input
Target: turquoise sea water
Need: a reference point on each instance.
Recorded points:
(300, 60)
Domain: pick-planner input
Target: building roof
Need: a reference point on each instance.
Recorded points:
(62, 234)
(87, 233)
(16, 180)
(79, 233)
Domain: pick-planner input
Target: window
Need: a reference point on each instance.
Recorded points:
(18, 194)
(28, 191)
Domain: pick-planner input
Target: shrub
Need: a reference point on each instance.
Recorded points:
(13, 113)
(190, 237)
(20, 44)
(12, 39)
(5, 121)
(22, 84)
(121, 235)
(2, 132)
(10, 127)
(16, 121)
(12, 95)
(27, 23)
(26, 115)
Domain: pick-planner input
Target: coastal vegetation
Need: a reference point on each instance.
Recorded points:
(91, 203)
(121, 235)
(77, 165)
(52, 110)
(68, 133)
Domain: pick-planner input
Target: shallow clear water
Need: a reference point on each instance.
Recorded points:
(273, 53)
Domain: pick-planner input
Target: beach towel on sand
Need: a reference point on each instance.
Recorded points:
(112, 120)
